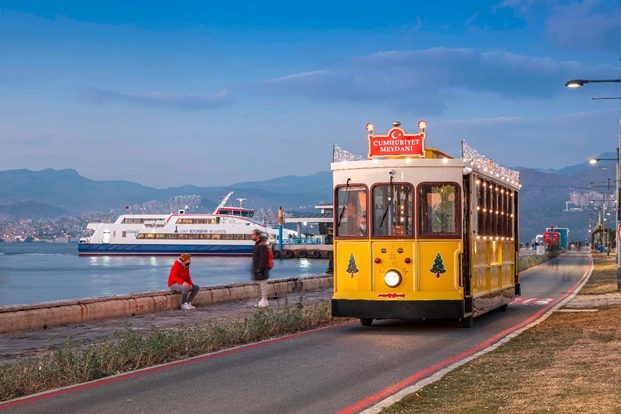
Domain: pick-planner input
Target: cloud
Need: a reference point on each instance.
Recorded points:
(586, 24)
(529, 141)
(172, 101)
(471, 19)
(37, 140)
(422, 81)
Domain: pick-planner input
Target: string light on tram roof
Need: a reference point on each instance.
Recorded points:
(481, 162)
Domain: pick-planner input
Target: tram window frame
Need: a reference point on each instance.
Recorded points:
(423, 214)
(494, 213)
(480, 190)
(377, 213)
(360, 212)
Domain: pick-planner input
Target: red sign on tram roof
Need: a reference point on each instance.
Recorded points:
(397, 144)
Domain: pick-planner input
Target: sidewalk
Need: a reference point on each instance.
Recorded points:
(17, 344)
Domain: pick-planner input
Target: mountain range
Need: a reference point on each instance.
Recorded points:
(52, 193)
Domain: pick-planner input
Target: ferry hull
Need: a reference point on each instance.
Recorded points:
(112, 249)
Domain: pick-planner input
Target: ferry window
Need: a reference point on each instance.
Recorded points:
(239, 236)
(215, 236)
(351, 214)
(150, 236)
(392, 210)
(124, 234)
(140, 236)
(184, 236)
(160, 236)
(438, 214)
(227, 237)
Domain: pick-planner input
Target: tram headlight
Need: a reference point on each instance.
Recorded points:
(392, 278)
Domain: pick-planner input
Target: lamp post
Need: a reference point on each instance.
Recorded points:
(605, 212)
(575, 83)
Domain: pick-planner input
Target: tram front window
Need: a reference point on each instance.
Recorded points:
(438, 210)
(352, 211)
(392, 210)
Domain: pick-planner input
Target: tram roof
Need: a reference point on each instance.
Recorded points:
(498, 175)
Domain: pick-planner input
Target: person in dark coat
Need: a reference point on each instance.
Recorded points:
(260, 271)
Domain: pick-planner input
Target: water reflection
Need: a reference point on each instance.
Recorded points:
(59, 273)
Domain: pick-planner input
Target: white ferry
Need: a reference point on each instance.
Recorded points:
(225, 232)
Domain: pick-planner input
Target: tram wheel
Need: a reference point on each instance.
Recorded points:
(503, 308)
(467, 322)
(276, 254)
(316, 254)
(366, 321)
(288, 254)
(303, 253)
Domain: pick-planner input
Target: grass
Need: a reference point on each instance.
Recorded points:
(605, 279)
(569, 363)
(526, 262)
(131, 349)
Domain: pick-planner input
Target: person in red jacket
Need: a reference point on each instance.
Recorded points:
(179, 280)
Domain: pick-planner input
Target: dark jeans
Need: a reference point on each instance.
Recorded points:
(176, 287)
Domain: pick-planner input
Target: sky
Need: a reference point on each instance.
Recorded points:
(212, 93)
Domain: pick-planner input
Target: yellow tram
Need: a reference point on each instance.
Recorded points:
(419, 234)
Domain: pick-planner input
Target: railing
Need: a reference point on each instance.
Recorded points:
(306, 240)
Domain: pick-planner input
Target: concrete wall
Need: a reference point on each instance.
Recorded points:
(59, 313)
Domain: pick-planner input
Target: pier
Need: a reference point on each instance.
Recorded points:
(60, 313)
(317, 246)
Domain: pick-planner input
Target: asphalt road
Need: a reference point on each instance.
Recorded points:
(342, 369)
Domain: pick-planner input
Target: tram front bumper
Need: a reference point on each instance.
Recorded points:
(402, 309)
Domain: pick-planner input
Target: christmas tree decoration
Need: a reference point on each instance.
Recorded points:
(438, 266)
(352, 269)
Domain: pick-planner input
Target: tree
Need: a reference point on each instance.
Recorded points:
(352, 269)
(438, 266)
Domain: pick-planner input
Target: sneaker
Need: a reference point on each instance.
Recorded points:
(191, 306)
(186, 306)
(262, 304)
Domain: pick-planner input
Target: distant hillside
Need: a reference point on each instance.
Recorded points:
(292, 184)
(574, 169)
(31, 210)
(543, 197)
(69, 191)
(53, 193)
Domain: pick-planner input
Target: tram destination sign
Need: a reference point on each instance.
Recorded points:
(397, 144)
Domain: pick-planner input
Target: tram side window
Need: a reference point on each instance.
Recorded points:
(392, 210)
(438, 214)
(351, 215)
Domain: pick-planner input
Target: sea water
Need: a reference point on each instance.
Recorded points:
(42, 272)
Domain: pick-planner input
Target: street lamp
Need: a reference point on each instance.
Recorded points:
(605, 208)
(575, 83)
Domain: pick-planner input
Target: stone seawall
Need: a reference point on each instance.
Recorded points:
(66, 312)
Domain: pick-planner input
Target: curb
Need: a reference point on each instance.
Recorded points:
(59, 313)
